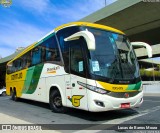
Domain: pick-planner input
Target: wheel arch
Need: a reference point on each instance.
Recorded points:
(62, 93)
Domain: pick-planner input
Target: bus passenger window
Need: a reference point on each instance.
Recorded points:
(36, 56)
(51, 49)
(9, 68)
(52, 56)
(26, 60)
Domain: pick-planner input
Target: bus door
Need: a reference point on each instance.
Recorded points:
(78, 94)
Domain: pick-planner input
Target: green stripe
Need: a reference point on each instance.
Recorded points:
(28, 79)
(32, 79)
(134, 86)
(44, 39)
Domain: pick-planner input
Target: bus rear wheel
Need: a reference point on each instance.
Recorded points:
(13, 95)
(56, 102)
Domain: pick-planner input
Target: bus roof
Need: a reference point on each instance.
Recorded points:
(89, 25)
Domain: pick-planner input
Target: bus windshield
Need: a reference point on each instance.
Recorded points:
(113, 57)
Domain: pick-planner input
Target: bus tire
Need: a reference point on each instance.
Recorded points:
(55, 102)
(13, 95)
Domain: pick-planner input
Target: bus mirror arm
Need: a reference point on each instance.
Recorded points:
(88, 36)
(143, 44)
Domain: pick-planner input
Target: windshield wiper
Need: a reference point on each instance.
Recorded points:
(116, 64)
(130, 69)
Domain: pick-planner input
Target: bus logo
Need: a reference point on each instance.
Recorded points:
(53, 70)
(126, 95)
(76, 100)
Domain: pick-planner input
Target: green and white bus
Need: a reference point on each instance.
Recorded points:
(79, 65)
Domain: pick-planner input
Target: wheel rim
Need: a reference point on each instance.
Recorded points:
(57, 101)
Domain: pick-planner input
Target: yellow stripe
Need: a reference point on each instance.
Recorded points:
(114, 87)
(53, 72)
(90, 25)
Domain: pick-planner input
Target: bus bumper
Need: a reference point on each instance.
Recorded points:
(102, 102)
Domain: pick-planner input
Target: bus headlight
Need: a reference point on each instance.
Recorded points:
(97, 89)
(93, 88)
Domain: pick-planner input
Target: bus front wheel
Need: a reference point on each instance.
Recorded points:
(56, 102)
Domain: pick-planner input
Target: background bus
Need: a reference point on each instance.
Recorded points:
(80, 65)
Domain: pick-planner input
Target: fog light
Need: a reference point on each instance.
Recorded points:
(99, 103)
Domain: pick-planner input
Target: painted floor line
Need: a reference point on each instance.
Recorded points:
(150, 101)
(120, 120)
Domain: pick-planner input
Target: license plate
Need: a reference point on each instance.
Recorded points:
(125, 105)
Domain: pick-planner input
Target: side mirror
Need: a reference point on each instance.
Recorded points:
(143, 44)
(88, 36)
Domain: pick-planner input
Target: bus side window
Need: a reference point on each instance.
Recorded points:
(51, 49)
(51, 56)
(15, 66)
(26, 60)
(36, 55)
(43, 54)
(19, 64)
(9, 68)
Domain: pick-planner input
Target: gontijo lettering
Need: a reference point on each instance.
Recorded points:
(16, 76)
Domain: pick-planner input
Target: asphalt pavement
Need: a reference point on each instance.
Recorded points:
(31, 112)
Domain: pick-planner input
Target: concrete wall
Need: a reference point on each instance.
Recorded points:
(141, 52)
(152, 87)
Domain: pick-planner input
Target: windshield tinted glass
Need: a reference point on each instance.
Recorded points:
(113, 57)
